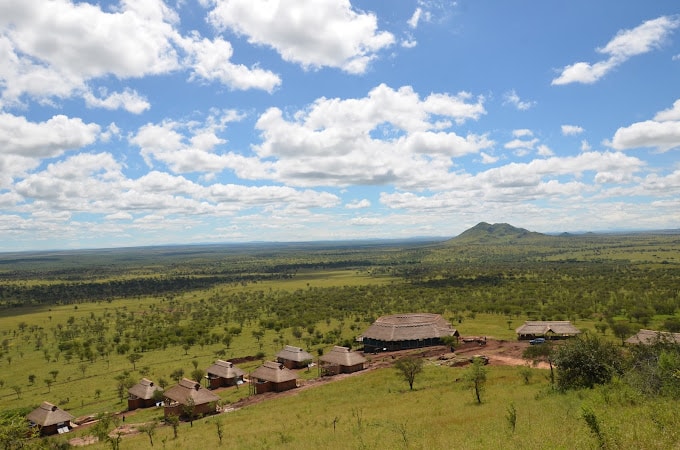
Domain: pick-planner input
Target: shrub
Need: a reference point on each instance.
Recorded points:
(586, 361)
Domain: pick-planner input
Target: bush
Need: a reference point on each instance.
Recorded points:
(586, 361)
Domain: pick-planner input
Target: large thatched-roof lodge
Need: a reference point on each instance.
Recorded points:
(404, 331)
(550, 329)
(273, 376)
(189, 394)
(650, 337)
(294, 357)
(341, 360)
(142, 394)
(50, 419)
(224, 373)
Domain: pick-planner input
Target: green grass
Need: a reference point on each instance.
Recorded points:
(375, 410)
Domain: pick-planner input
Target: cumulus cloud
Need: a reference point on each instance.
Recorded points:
(340, 142)
(19, 136)
(662, 133)
(644, 38)
(312, 33)
(571, 130)
(191, 147)
(358, 204)
(59, 49)
(211, 61)
(128, 100)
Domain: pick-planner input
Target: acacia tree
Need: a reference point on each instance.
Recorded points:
(133, 358)
(409, 367)
(150, 429)
(475, 377)
(541, 353)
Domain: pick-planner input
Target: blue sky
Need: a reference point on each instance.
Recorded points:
(143, 122)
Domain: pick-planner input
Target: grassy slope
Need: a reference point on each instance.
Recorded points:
(376, 410)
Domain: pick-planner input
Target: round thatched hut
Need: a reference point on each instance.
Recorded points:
(404, 331)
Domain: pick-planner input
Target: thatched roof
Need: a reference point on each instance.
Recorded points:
(189, 389)
(343, 356)
(144, 389)
(407, 327)
(48, 414)
(224, 369)
(296, 354)
(648, 337)
(543, 327)
(274, 372)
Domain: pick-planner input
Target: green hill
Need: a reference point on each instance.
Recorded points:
(497, 233)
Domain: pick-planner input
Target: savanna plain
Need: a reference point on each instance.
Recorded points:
(78, 328)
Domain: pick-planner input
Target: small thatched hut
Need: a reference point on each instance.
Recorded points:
(142, 394)
(189, 394)
(649, 337)
(549, 329)
(273, 376)
(341, 360)
(294, 357)
(50, 419)
(224, 373)
(404, 331)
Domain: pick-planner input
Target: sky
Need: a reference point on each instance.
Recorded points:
(144, 122)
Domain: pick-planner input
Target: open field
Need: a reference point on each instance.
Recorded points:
(69, 324)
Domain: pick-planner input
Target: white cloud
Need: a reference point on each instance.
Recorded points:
(409, 43)
(662, 135)
(415, 18)
(210, 60)
(511, 98)
(571, 130)
(358, 204)
(128, 100)
(50, 138)
(522, 132)
(644, 38)
(60, 49)
(53, 48)
(585, 146)
(488, 159)
(312, 33)
(672, 113)
(339, 142)
(544, 150)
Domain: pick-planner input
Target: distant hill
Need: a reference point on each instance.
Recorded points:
(497, 233)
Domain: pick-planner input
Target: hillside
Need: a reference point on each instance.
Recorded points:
(497, 233)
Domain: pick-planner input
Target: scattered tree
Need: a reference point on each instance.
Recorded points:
(475, 377)
(409, 367)
(54, 374)
(173, 420)
(177, 374)
(220, 430)
(197, 375)
(48, 383)
(150, 429)
(541, 353)
(133, 358)
(621, 330)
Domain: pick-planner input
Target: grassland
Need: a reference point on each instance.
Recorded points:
(317, 297)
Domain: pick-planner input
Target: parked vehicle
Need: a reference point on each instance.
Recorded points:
(537, 341)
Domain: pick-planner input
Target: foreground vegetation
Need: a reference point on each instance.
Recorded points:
(78, 328)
